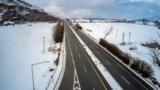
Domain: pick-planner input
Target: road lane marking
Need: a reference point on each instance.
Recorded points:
(93, 88)
(90, 63)
(108, 62)
(125, 80)
(79, 55)
(94, 70)
(76, 84)
(131, 75)
(84, 67)
(75, 72)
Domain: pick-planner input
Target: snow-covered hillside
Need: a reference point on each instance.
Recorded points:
(134, 35)
(20, 11)
(20, 47)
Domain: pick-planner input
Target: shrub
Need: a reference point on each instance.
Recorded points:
(56, 61)
(142, 67)
(153, 44)
(134, 65)
(138, 65)
(159, 85)
(155, 56)
(126, 58)
(145, 69)
(158, 62)
(58, 32)
(112, 48)
(116, 51)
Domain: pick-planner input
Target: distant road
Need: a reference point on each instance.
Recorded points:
(126, 79)
(80, 71)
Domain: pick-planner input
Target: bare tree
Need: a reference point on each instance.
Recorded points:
(123, 36)
(107, 32)
(130, 37)
(155, 53)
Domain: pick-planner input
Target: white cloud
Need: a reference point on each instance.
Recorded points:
(67, 8)
(142, 0)
(58, 11)
(80, 13)
(54, 10)
(97, 8)
(149, 1)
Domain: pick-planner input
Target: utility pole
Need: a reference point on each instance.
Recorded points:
(123, 38)
(32, 77)
(129, 37)
(43, 44)
(116, 33)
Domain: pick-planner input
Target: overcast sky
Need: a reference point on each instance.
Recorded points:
(100, 8)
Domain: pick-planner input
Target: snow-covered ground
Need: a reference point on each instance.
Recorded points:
(137, 33)
(20, 47)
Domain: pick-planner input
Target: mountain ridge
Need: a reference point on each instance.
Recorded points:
(21, 12)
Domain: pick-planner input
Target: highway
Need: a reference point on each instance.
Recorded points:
(68, 78)
(80, 72)
(126, 79)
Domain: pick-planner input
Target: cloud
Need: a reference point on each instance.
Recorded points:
(80, 13)
(100, 8)
(148, 1)
(69, 8)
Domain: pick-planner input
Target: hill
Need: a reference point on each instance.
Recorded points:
(20, 12)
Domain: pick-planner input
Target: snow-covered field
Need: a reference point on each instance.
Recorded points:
(137, 33)
(20, 47)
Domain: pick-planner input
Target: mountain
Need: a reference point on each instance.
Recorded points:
(155, 18)
(20, 11)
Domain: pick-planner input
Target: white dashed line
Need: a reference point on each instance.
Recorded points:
(125, 80)
(108, 62)
(85, 69)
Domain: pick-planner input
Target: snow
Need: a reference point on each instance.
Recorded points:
(23, 12)
(37, 8)
(20, 47)
(137, 31)
(59, 73)
(139, 34)
(108, 77)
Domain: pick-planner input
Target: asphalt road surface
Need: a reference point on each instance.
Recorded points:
(126, 79)
(80, 71)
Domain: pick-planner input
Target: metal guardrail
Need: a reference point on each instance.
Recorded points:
(62, 68)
